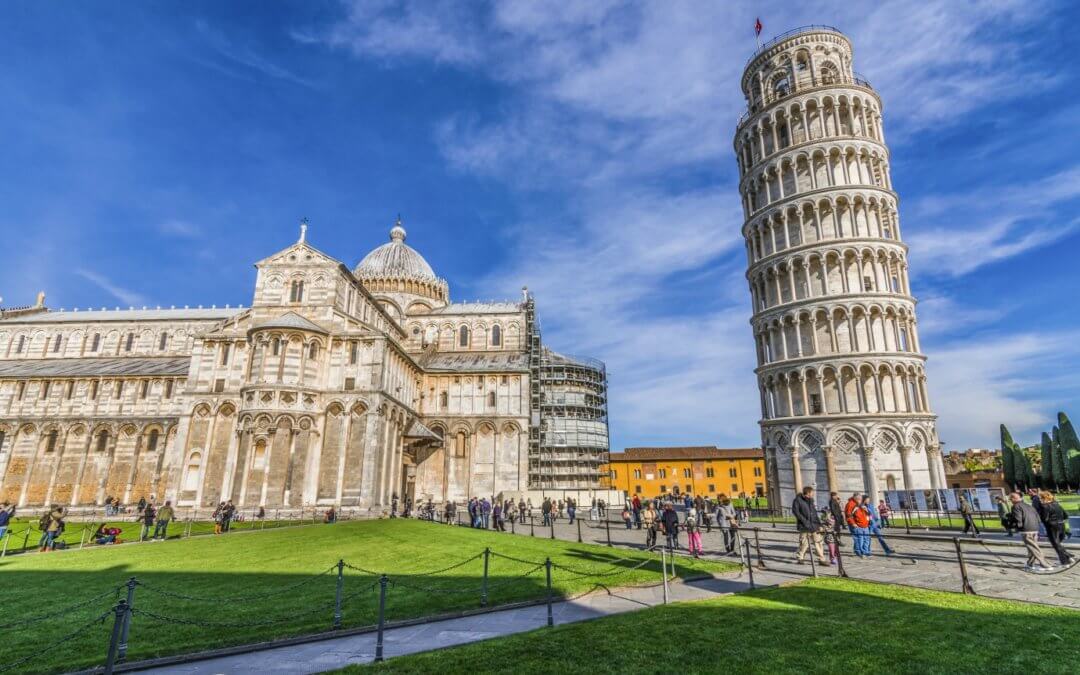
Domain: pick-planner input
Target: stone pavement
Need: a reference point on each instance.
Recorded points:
(929, 562)
(315, 657)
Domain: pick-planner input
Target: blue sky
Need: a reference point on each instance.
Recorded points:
(153, 151)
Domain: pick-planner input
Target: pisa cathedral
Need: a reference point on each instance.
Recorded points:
(336, 386)
(841, 376)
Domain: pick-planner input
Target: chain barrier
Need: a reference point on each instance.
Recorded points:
(233, 624)
(511, 580)
(53, 644)
(597, 575)
(60, 612)
(517, 560)
(235, 598)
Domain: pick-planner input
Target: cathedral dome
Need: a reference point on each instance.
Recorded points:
(395, 259)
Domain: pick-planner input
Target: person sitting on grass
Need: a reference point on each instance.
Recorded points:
(106, 535)
(164, 517)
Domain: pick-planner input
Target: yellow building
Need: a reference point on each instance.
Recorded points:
(705, 471)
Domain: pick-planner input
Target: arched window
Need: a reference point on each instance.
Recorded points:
(50, 442)
(829, 74)
(56, 343)
(463, 336)
(459, 444)
(496, 336)
(191, 474)
(102, 441)
(163, 341)
(21, 344)
(151, 441)
(313, 350)
(781, 87)
(276, 348)
(296, 291)
(903, 340)
(491, 399)
(95, 344)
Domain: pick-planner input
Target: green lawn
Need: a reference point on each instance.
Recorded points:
(24, 534)
(819, 626)
(219, 570)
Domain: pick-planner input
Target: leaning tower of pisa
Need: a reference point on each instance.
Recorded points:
(842, 381)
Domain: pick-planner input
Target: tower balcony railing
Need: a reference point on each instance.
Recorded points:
(758, 103)
(801, 30)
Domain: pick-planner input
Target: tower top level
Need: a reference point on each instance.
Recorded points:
(798, 60)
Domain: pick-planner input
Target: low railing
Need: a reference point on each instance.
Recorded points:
(811, 28)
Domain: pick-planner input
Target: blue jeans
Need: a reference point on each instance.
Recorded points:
(484, 519)
(48, 539)
(3, 531)
(876, 531)
(861, 537)
(570, 511)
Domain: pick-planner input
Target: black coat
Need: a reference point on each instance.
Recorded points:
(670, 520)
(837, 512)
(806, 515)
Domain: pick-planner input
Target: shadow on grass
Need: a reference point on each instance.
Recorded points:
(823, 626)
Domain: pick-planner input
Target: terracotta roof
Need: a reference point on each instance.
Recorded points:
(695, 452)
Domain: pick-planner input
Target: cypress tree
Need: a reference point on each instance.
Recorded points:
(1059, 457)
(1070, 449)
(1047, 461)
(1008, 457)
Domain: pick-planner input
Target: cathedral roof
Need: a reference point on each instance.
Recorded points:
(395, 259)
(96, 366)
(290, 320)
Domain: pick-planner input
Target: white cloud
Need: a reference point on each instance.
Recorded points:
(122, 294)
(180, 228)
(613, 103)
(245, 57)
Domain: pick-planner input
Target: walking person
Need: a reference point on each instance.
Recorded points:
(545, 511)
(669, 523)
(571, 509)
(628, 519)
(693, 534)
(164, 517)
(54, 528)
(837, 513)
(521, 511)
(218, 515)
(967, 513)
(860, 520)
(635, 506)
(148, 514)
(725, 520)
(807, 524)
(875, 525)
(7, 512)
(884, 513)
(648, 519)
(485, 513)
(1003, 515)
(1055, 525)
(1027, 523)
(496, 515)
(831, 534)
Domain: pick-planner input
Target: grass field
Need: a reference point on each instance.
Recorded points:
(221, 573)
(818, 626)
(24, 535)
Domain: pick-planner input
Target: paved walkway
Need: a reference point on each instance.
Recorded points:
(929, 562)
(324, 655)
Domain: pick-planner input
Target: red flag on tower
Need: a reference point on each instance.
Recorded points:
(757, 27)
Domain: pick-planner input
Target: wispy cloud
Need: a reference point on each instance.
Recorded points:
(128, 297)
(245, 57)
(180, 228)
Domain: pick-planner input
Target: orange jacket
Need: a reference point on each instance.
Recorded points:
(861, 516)
(849, 508)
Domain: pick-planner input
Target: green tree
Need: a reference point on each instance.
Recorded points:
(1047, 451)
(1070, 449)
(1009, 459)
(1058, 456)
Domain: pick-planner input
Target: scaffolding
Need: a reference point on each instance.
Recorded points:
(568, 432)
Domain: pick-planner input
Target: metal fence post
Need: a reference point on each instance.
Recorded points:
(757, 547)
(383, 581)
(749, 567)
(82, 538)
(907, 521)
(114, 638)
(966, 585)
(121, 653)
(484, 581)
(663, 565)
(550, 616)
(338, 592)
(551, 523)
(7, 538)
(607, 526)
(839, 555)
(532, 527)
(513, 530)
(772, 517)
(813, 564)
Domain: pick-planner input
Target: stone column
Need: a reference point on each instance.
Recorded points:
(830, 467)
(931, 463)
(796, 470)
(870, 475)
(909, 483)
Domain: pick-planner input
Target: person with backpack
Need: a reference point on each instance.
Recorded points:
(147, 515)
(693, 534)
(54, 527)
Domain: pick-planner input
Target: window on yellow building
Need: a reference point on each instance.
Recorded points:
(734, 488)
(637, 474)
(712, 488)
(637, 489)
(709, 472)
(663, 474)
(733, 472)
(663, 489)
(686, 473)
(757, 472)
